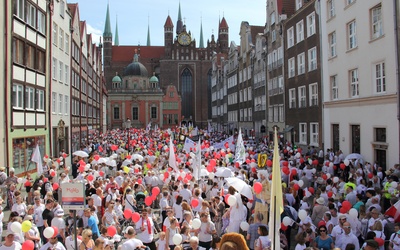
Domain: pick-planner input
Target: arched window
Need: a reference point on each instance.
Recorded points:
(187, 93)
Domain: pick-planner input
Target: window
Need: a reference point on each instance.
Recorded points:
(18, 96)
(18, 51)
(376, 22)
(291, 67)
(61, 42)
(311, 24)
(331, 8)
(272, 17)
(281, 113)
(60, 103)
(352, 35)
(273, 35)
(40, 60)
(66, 44)
(280, 84)
(300, 31)
(332, 44)
(61, 73)
(314, 137)
(302, 97)
(29, 98)
(135, 113)
(55, 33)
(334, 88)
(40, 99)
(299, 4)
(153, 114)
(276, 113)
(41, 22)
(301, 62)
(292, 98)
(303, 133)
(30, 56)
(312, 59)
(31, 15)
(380, 134)
(19, 10)
(290, 37)
(249, 94)
(348, 2)
(354, 83)
(66, 77)
(313, 88)
(270, 114)
(54, 102)
(66, 104)
(54, 72)
(380, 79)
(62, 8)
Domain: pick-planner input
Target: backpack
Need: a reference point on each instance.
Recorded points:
(43, 189)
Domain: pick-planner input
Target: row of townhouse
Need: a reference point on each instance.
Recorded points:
(325, 72)
(52, 81)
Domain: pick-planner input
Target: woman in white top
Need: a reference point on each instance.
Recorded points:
(177, 207)
(301, 239)
(263, 240)
(129, 201)
(19, 206)
(169, 235)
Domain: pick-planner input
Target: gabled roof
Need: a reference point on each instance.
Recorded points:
(72, 7)
(254, 31)
(125, 53)
(83, 28)
(223, 24)
(168, 22)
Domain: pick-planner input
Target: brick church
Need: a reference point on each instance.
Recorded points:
(165, 85)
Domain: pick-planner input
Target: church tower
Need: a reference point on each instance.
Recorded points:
(168, 36)
(223, 36)
(179, 23)
(107, 41)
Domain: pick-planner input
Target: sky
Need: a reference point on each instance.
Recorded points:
(134, 16)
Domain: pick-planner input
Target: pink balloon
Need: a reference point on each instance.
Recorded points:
(257, 187)
(195, 202)
(111, 231)
(135, 217)
(28, 245)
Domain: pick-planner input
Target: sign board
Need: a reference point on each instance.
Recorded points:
(73, 196)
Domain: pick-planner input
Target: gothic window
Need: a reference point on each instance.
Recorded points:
(187, 93)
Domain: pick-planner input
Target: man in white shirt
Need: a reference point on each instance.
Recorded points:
(185, 193)
(38, 210)
(132, 242)
(59, 223)
(347, 237)
(145, 229)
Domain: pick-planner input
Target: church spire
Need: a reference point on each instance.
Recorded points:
(148, 32)
(201, 35)
(179, 23)
(116, 39)
(107, 27)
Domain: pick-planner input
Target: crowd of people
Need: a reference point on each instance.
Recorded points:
(144, 191)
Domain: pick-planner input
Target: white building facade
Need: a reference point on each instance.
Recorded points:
(359, 79)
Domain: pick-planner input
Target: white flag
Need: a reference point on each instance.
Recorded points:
(172, 159)
(240, 152)
(37, 158)
(189, 145)
(197, 163)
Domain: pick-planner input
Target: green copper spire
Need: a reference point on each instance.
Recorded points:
(116, 39)
(107, 27)
(179, 12)
(148, 35)
(201, 46)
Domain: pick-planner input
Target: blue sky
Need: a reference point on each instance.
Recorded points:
(134, 17)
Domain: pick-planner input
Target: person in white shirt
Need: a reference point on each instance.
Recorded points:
(145, 229)
(185, 192)
(53, 244)
(347, 237)
(132, 242)
(9, 243)
(70, 241)
(59, 223)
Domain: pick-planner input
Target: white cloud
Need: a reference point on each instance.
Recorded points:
(96, 33)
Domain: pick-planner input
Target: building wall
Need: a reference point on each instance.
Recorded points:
(3, 78)
(370, 109)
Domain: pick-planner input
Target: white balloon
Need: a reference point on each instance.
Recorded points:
(48, 232)
(211, 176)
(353, 213)
(298, 155)
(177, 239)
(287, 221)
(211, 148)
(161, 176)
(196, 223)
(335, 179)
(244, 225)
(328, 175)
(300, 183)
(19, 180)
(313, 170)
(87, 167)
(302, 214)
(330, 164)
(232, 200)
(346, 162)
(16, 227)
(310, 161)
(45, 159)
(249, 205)
(393, 184)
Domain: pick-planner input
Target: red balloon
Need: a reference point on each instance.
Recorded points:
(370, 175)
(286, 170)
(166, 175)
(28, 245)
(293, 171)
(253, 170)
(195, 202)
(155, 191)
(237, 165)
(343, 210)
(285, 163)
(114, 147)
(55, 186)
(81, 169)
(27, 184)
(58, 160)
(330, 194)
(226, 198)
(257, 187)
(53, 173)
(380, 241)
(45, 180)
(55, 231)
(296, 186)
(346, 205)
(210, 168)
(135, 217)
(213, 162)
(226, 145)
(283, 227)
(311, 190)
(101, 173)
(127, 214)
(324, 176)
(315, 162)
(321, 223)
(248, 161)
(139, 181)
(327, 163)
(148, 200)
(97, 157)
(301, 160)
(111, 231)
(90, 177)
(342, 166)
(269, 163)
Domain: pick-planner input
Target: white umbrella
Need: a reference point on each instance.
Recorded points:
(223, 172)
(355, 157)
(137, 157)
(81, 153)
(111, 163)
(114, 156)
(151, 158)
(103, 160)
(126, 162)
(240, 186)
(120, 150)
(204, 172)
